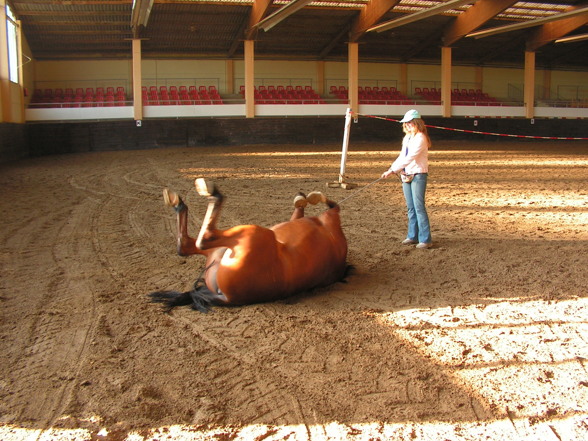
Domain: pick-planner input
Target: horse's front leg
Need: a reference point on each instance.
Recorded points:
(215, 203)
(301, 201)
(186, 244)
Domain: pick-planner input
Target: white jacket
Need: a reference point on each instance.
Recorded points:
(414, 155)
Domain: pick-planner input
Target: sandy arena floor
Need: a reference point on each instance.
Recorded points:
(483, 337)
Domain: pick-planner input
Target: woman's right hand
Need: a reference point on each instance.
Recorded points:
(387, 173)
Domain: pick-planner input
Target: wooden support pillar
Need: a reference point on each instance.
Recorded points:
(5, 101)
(403, 83)
(446, 82)
(529, 91)
(137, 81)
(547, 84)
(479, 77)
(249, 79)
(320, 77)
(353, 76)
(20, 71)
(230, 77)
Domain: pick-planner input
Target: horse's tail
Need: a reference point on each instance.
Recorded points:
(171, 299)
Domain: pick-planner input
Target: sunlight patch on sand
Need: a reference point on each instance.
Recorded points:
(565, 429)
(529, 354)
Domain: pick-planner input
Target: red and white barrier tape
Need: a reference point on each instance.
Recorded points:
(484, 133)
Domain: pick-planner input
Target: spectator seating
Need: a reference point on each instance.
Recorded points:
(116, 96)
(68, 98)
(431, 96)
(284, 95)
(180, 95)
(372, 95)
(463, 97)
(339, 93)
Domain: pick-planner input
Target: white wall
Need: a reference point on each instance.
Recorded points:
(497, 80)
(569, 85)
(279, 73)
(82, 73)
(184, 73)
(379, 74)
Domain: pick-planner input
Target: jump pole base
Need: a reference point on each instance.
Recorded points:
(343, 185)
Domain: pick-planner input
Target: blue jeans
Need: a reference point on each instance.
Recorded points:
(418, 220)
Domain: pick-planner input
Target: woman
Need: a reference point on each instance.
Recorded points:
(413, 166)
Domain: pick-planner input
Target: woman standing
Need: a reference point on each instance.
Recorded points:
(412, 165)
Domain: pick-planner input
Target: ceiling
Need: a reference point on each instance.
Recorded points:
(321, 30)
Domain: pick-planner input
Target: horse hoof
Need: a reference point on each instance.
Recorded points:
(171, 198)
(315, 197)
(300, 201)
(203, 187)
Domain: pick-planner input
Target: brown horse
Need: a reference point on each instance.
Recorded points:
(251, 264)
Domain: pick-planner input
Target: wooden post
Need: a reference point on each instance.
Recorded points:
(403, 83)
(5, 100)
(353, 64)
(446, 82)
(230, 81)
(137, 81)
(529, 93)
(249, 79)
(20, 71)
(320, 78)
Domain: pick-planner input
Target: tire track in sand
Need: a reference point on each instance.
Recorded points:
(57, 313)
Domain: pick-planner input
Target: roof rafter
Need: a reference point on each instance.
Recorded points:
(258, 12)
(550, 32)
(369, 16)
(473, 18)
(529, 23)
(428, 12)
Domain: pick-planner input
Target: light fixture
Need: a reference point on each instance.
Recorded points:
(140, 15)
(441, 7)
(572, 38)
(271, 20)
(528, 24)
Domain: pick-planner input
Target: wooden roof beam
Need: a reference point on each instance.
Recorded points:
(440, 8)
(140, 15)
(258, 12)
(369, 16)
(473, 18)
(570, 13)
(279, 15)
(550, 32)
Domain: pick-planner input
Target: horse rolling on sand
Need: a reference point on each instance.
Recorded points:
(250, 264)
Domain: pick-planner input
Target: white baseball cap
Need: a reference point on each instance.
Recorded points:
(410, 115)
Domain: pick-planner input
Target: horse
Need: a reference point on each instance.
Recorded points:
(249, 264)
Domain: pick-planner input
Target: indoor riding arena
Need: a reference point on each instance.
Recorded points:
(483, 336)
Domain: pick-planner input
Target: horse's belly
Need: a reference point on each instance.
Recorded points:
(301, 256)
(251, 278)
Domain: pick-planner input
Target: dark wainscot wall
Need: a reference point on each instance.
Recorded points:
(57, 138)
(13, 142)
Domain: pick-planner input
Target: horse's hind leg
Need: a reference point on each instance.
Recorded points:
(300, 203)
(215, 202)
(186, 244)
(316, 196)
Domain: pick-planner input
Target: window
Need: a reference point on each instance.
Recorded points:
(12, 45)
